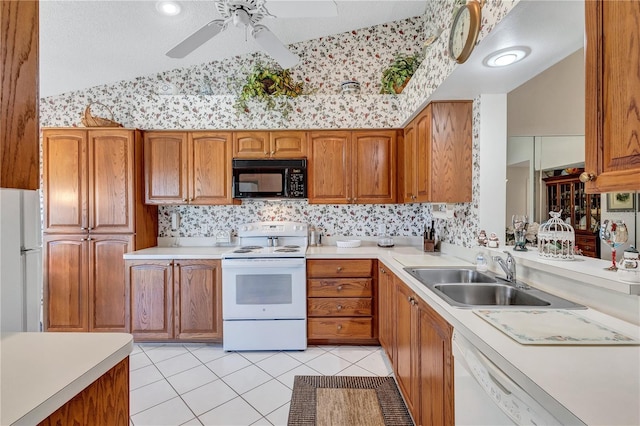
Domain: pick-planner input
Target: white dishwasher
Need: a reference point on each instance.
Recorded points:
(484, 395)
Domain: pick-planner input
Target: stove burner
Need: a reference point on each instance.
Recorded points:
(286, 250)
(249, 248)
(291, 246)
(242, 250)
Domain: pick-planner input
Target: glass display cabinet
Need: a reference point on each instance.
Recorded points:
(579, 209)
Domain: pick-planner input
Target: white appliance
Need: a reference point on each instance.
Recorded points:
(264, 296)
(20, 260)
(485, 395)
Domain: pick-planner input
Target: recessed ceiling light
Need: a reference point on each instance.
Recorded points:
(508, 56)
(169, 8)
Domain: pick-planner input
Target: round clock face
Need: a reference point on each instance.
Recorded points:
(460, 32)
(464, 31)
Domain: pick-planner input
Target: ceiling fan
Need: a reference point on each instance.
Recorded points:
(249, 13)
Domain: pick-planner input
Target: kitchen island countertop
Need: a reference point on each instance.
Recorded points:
(42, 371)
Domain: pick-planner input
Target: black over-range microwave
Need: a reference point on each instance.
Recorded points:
(276, 178)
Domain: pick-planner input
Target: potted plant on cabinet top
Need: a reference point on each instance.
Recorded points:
(267, 84)
(396, 76)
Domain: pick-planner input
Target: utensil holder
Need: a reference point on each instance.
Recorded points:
(428, 245)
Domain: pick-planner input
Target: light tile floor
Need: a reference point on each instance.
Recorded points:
(198, 384)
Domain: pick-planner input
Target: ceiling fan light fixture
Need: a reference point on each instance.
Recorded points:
(240, 16)
(168, 8)
(505, 57)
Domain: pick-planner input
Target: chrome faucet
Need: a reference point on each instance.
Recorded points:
(509, 268)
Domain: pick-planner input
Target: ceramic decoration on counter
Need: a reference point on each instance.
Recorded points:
(629, 266)
(494, 242)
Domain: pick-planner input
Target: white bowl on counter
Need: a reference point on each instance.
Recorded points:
(348, 243)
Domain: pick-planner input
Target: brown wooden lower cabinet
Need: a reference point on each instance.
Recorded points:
(423, 361)
(104, 402)
(175, 299)
(340, 301)
(84, 288)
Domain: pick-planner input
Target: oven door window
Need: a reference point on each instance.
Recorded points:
(264, 290)
(263, 183)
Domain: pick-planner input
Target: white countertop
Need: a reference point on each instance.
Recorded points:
(42, 371)
(596, 385)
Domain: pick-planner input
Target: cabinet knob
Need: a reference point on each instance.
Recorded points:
(185, 199)
(339, 288)
(339, 268)
(339, 327)
(587, 177)
(355, 199)
(83, 228)
(266, 153)
(383, 271)
(169, 264)
(409, 299)
(273, 152)
(339, 307)
(349, 199)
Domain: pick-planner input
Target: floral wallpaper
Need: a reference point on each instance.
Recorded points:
(206, 94)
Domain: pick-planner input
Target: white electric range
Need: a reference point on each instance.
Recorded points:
(264, 293)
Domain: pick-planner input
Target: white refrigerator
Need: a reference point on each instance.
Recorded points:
(20, 260)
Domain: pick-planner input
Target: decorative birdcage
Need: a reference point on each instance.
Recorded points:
(556, 239)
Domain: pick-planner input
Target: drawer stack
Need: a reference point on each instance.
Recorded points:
(340, 301)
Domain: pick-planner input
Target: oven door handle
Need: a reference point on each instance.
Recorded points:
(264, 263)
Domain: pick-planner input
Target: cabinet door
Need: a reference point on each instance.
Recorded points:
(198, 299)
(612, 145)
(151, 300)
(19, 139)
(405, 344)
(210, 168)
(288, 144)
(251, 145)
(407, 165)
(451, 147)
(165, 167)
(65, 283)
(435, 371)
(329, 169)
(422, 155)
(108, 291)
(111, 181)
(374, 167)
(385, 310)
(65, 188)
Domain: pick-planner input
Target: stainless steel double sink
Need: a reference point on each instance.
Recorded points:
(468, 288)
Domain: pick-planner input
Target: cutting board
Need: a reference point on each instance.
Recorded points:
(553, 327)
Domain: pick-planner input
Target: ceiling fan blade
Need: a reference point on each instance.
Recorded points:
(301, 9)
(197, 39)
(274, 47)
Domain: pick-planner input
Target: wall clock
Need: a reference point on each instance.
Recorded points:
(464, 31)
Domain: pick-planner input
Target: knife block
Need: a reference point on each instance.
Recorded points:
(428, 245)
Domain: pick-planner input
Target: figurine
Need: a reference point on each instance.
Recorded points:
(493, 240)
(482, 238)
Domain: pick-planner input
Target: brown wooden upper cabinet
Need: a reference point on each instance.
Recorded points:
(19, 138)
(352, 167)
(187, 167)
(276, 144)
(89, 180)
(436, 154)
(612, 58)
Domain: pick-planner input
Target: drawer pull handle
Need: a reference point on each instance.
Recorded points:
(339, 307)
(339, 327)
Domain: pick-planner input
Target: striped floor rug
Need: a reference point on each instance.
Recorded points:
(348, 401)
